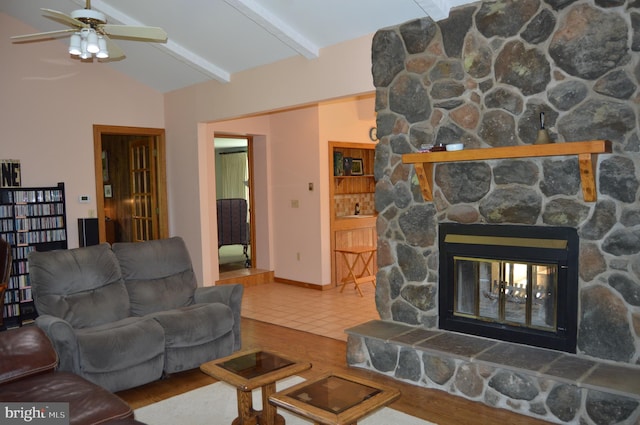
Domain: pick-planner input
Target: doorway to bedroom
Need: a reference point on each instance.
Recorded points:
(233, 156)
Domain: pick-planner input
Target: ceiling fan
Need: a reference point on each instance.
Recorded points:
(92, 35)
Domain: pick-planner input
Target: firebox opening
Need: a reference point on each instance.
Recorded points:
(509, 282)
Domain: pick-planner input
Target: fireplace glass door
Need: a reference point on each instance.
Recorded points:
(514, 293)
(510, 282)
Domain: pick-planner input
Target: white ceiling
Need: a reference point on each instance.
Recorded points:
(213, 39)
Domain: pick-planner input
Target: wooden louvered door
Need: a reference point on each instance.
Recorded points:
(142, 170)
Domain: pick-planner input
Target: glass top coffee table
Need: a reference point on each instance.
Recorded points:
(335, 399)
(248, 370)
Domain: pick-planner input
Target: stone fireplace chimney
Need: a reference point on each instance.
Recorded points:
(482, 77)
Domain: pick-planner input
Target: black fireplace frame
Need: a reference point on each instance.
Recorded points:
(565, 336)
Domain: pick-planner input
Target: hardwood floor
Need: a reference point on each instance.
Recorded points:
(327, 354)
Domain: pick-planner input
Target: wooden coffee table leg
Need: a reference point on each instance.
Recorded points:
(246, 414)
(269, 415)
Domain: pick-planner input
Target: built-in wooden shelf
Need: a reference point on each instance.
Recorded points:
(587, 157)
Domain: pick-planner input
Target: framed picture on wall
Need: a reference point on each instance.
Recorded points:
(105, 167)
(356, 167)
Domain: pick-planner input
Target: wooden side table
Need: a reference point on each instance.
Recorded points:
(335, 399)
(351, 257)
(249, 370)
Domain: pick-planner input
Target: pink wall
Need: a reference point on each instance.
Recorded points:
(48, 107)
(340, 71)
(291, 151)
(257, 127)
(47, 116)
(297, 231)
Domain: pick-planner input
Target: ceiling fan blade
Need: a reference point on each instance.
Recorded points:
(115, 52)
(48, 34)
(63, 18)
(134, 32)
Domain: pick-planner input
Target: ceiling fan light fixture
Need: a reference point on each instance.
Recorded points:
(103, 53)
(90, 33)
(92, 42)
(75, 47)
(88, 16)
(84, 53)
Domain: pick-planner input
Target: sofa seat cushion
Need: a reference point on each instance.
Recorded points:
(88, 403)
(195, 325)
(119, 345)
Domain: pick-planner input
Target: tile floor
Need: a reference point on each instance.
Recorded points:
(327, 313)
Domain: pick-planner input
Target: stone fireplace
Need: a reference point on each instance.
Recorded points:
(482, 77)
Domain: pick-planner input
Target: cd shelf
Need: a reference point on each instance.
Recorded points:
(30, 219)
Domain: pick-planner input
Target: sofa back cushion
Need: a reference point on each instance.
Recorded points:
(158, 274)
(83, 286)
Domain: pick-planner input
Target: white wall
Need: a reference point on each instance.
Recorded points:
(48, 105)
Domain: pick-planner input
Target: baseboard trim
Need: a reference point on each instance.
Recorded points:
(302, 284)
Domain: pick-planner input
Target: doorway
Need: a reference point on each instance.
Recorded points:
(234, 197)
(130, 183)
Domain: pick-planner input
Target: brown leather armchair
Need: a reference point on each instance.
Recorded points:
(28, 375)
(5, 272)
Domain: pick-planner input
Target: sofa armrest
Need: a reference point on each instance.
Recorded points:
(64, 341)
(230, 295)
(24, 352)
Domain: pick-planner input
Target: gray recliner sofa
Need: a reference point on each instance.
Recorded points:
(123, 315)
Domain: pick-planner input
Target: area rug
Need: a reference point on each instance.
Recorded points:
(216, 404)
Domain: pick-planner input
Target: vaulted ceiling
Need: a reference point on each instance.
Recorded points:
(213, 39)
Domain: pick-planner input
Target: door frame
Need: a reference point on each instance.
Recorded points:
(252, 205)
(161, 176)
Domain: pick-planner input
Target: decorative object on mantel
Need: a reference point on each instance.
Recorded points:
(543, 134)
(587, 154)
(91, 33)
(452, 147)
(438, 147)
(10, 173)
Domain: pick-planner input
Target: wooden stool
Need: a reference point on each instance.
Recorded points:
(364, 254)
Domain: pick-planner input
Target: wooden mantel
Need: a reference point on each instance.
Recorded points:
(587, 157)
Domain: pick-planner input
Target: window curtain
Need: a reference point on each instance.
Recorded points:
(234, 175)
